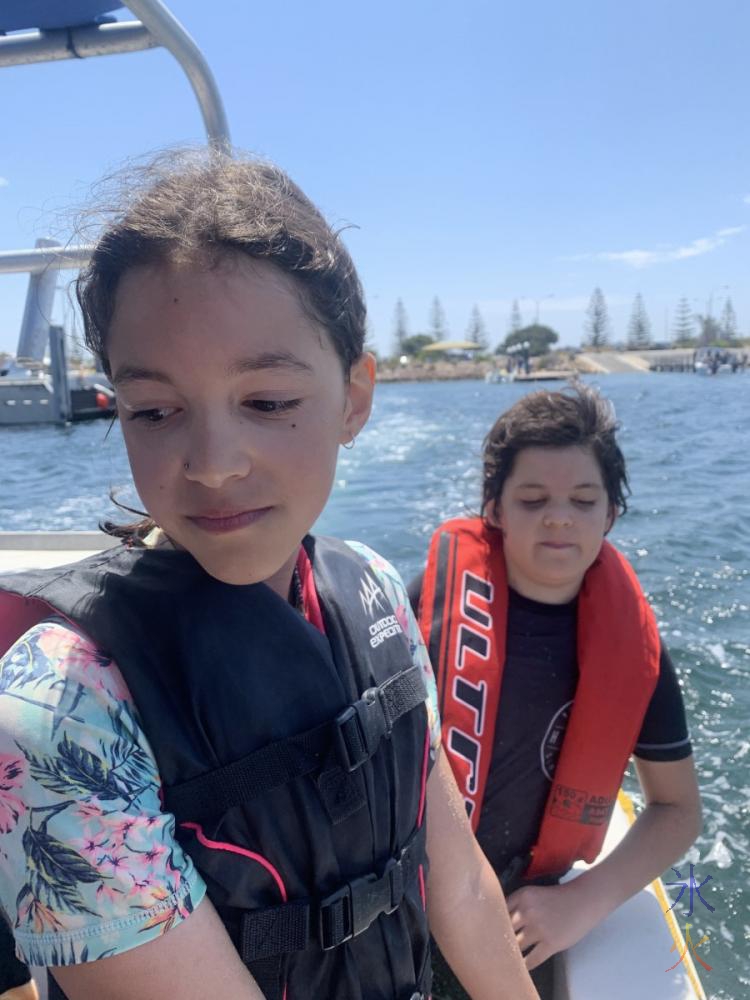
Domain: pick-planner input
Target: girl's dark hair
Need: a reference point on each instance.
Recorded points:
(200, 206)
(576, 416)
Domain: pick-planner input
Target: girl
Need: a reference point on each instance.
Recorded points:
(551, 673)
(217, 740)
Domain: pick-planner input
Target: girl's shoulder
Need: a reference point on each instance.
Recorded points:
(380, 567)
(89, 865)
(54, 652)
(394, 590)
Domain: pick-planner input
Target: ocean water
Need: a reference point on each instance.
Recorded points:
(687, 443)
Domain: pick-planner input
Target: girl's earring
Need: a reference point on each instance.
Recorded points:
(351, 443)
(186, 466)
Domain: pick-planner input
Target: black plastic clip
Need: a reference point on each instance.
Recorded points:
(360, 728)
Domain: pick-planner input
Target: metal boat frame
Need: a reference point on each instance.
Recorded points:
(156, 27)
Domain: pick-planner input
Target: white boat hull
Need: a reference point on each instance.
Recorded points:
(627, 955)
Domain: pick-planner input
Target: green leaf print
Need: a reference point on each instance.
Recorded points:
(89, 772)
(55, 860)
(20, 666)
(127, 757)
(55, 871)
(75, 771)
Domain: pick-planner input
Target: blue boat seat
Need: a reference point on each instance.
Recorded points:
(15, 15)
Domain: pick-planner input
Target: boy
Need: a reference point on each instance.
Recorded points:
(551, 673)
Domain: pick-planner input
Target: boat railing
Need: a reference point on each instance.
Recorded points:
(56, 541)
(21, 551)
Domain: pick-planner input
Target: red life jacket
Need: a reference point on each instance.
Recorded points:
(463, 616)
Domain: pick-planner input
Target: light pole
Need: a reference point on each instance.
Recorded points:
(537, 301)
(710, 301)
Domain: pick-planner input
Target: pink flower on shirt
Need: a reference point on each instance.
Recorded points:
(402, 618)
(115, 863)
(119, 831)
(108, 893)
(91, 846)
(83, 662)
(89, 809)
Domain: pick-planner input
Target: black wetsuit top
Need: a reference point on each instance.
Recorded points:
(539, 683)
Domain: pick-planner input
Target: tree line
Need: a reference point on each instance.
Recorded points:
(540, 337)
(688, 328)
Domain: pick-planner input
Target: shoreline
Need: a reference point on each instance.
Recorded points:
(569, 366)
(453, 371)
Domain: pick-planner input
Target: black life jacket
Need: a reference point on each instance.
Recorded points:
(294, 763)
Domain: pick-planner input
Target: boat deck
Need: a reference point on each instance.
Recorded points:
(43, 549)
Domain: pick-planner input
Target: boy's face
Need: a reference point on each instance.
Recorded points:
(233, 405)
(554, 512)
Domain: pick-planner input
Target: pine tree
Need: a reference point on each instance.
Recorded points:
(597, 320)
(728, 321)
(438, 327)
(516, 322)
(683, 329)
(400, 328)
(639, 327)
(476, 331)
(709, 330)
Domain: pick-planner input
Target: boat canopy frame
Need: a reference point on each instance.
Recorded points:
(156, 27)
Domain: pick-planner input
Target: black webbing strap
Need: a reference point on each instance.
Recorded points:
(348, 741)
(342, 915)
(276, 930)
(360, 727)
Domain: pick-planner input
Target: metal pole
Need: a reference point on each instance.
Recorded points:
(37, 313)
(59, 370)
(28, 47)
(168, 31)
(158, 27)
(50, 256)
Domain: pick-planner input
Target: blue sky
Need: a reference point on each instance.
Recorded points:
(484, 151)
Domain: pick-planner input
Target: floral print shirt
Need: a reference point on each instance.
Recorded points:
(89, 863)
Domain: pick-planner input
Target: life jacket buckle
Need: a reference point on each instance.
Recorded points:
(359, 729)
(335, 923)
(351, 909)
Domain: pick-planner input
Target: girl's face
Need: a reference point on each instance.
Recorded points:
(554, 512)
(233, 404)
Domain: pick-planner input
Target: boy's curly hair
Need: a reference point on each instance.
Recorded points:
(577, 416)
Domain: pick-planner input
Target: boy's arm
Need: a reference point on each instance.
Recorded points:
(549, 919)
(465, 904)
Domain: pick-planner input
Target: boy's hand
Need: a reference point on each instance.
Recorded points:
(549, 918)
